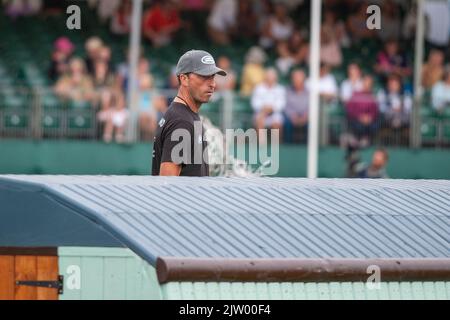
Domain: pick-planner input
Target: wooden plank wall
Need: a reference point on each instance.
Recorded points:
(31, 268)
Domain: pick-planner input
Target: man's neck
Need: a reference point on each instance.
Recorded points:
(187, 100)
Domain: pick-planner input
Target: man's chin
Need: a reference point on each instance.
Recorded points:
(206, 100)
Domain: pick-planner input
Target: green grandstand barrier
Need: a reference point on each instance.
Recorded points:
(92, 157)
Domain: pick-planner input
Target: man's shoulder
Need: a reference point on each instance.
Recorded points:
(176, 116)
(177, 111)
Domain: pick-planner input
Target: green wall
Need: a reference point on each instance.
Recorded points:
(92, 157)
(106, 274)
(118, 273)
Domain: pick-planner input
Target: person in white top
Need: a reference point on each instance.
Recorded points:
(353, 83)
(268, 101)
(222, 20)
(438, 22)
(279, 27)
(328, 88)
(440, 93)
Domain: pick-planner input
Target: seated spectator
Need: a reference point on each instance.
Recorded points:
(390, 60)
(76, 85)
(122, 70)
(105, 56)
(171, 86)
(263, 11)
(293, 52)
(336, 29)
(63, 49)
(285, 60)
(353, 83)
(330, 49)
(247, 21)
(328, 88)
(147, 112)
(119, 117)
(440, 93)
(113, 116)
(268, 101)
(93, 48)
(152, 105)
(17, 8)
(121, 20)
(362, 113)
(433, 69)
(222, 21)
(357, 24)
(391, 22)
(227, 83)
(161, 22)
(106, 9)
(103, 78)
(253, 70)
(53, 7)
(279, 27)
(409, 24)
(143, 68)
(194, 5)
(297, 106)
(395, 104)
(437, 14)
(375, 170)
(104, 113)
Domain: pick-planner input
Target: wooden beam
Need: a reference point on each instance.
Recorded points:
(300, 270)
(28, 251)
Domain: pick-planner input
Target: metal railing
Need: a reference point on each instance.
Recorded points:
(37, 113)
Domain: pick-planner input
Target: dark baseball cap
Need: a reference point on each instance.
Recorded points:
(199, 62)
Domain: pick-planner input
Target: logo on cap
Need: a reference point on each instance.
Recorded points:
(208, 60)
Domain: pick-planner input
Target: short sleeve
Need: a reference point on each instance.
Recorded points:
(179, 131)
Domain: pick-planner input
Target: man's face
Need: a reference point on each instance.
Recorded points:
(298, 79)
(200, 87)
(436, 57)
(354, 72)
(378, 160)
(367, 84)
(271, 77)
(394, 85)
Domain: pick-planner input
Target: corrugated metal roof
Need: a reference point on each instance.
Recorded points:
(261, 217)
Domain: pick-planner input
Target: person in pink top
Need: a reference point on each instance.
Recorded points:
(362, 113)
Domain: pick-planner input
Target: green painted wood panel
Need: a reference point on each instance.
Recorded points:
(115, 278)
(108, 273)
(65, 265)
(306, 291)
(92, 269)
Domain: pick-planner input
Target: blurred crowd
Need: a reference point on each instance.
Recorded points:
(94, 81)
(374, 94)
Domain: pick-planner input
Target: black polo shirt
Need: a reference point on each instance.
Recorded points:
(180, 139)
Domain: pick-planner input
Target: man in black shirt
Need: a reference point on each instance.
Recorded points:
(179, 148)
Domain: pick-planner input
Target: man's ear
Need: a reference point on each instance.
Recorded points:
(184, 79)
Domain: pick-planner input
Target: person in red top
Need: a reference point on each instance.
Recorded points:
(362, 112)
(161, 21)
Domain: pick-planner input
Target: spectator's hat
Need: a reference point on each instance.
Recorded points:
(255, 55)
(64, 44)
(199, 62)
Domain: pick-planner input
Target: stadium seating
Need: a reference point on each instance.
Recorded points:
(25, 58)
